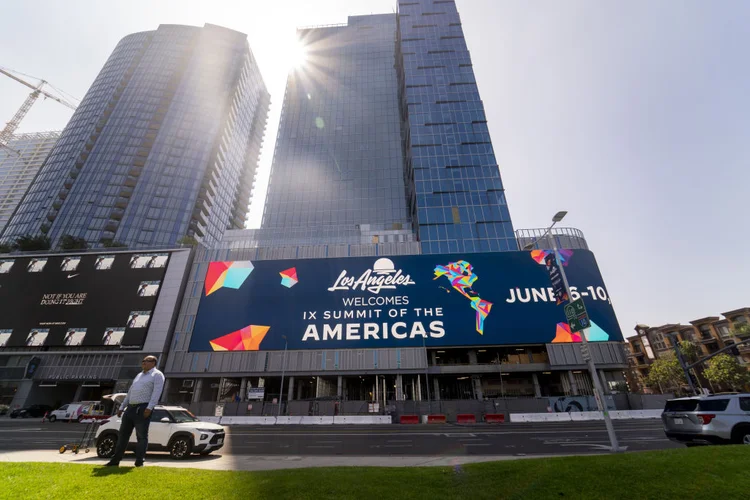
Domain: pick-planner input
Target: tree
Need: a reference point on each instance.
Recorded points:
(69, 242)
(741, 330)
(666, 374)
(110, 243)
(29, 243)
(690, 351)
(187, 241)
(5, 248)
(725, 369)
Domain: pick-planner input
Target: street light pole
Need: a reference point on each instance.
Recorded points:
(598, 393)
(283, 372)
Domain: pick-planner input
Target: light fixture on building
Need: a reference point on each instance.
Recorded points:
(482, 350)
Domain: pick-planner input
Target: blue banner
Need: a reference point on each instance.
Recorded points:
(477, 299)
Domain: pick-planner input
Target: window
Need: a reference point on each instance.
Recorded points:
(745, 404)
(157, 415)
(681, 405)
(713, 405)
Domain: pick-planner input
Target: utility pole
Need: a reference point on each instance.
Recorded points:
(598, 393)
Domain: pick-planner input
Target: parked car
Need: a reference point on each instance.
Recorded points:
(172, 429)
(714, 419)
(30, 411)
(70, 411)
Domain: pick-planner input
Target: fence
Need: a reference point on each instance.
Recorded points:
(449, 408)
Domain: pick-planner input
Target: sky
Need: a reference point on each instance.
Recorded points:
(632, 116)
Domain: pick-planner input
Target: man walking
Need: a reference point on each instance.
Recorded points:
(135, 411)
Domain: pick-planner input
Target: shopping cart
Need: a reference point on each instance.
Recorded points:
(87, 439)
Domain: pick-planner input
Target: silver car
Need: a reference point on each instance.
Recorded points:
(715, 419)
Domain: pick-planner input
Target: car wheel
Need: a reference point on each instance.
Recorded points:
(106, 445)
(52, 418)
(181, 448)
(741, 435)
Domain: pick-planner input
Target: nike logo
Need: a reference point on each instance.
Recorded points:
(72, 275)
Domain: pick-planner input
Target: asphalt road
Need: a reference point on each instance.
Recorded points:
(522, 439)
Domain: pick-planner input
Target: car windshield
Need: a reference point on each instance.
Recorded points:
(182, 416)
(681, 405)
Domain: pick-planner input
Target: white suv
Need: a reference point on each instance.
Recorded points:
(172, 429)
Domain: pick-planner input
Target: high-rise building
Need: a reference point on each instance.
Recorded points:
(19, 163)
(456, 195)
(382, 129)
(164, 145)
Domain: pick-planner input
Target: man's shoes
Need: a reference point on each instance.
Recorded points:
(112, 464)
(139, 464)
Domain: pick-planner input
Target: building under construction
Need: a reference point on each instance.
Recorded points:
(19, 163)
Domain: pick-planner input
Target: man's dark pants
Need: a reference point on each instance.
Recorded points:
(132, 418)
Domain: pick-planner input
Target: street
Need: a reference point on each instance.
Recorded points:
(511, 440)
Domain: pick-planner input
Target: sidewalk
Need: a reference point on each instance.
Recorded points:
(257, 463)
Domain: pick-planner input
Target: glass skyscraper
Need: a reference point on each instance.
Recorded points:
(456, 196)
(164, 145)
(339, 159)
(19, 163)
(383, 134)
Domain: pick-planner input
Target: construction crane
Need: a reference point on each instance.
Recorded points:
(7, 133)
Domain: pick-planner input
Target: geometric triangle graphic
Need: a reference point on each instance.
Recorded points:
(227, 275)
(289, 277)
(245, 339)
(595, 334)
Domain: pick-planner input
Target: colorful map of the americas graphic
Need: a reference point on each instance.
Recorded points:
(462, 278)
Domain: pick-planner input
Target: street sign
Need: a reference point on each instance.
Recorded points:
(556, 278)
(578, 318)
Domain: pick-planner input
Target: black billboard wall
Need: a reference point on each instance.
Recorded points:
(93, 300)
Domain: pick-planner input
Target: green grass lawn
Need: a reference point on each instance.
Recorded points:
(709, 472)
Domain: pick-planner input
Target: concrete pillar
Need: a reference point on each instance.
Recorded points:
(472, 357)
(167, 383)
(79, 390)
(317, 387)
(603, 379)
(530, 355)
(537, 387)
(197, 391)
(476, 382)
(433, 357)
(419, 387)
(299, 391)
(243, 389)
(436, 388)
(573, 384)
(290, 392)
(340, 388)
(399, 388)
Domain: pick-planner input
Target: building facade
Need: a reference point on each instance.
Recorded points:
(382, 151)
(164, 145)
(19, 164)
(382, 128)
(74, 336)
(542, 374)
(455, 193)
(710, 334)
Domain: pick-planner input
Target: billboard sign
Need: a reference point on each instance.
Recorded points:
(83, 300)
(477, 299)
